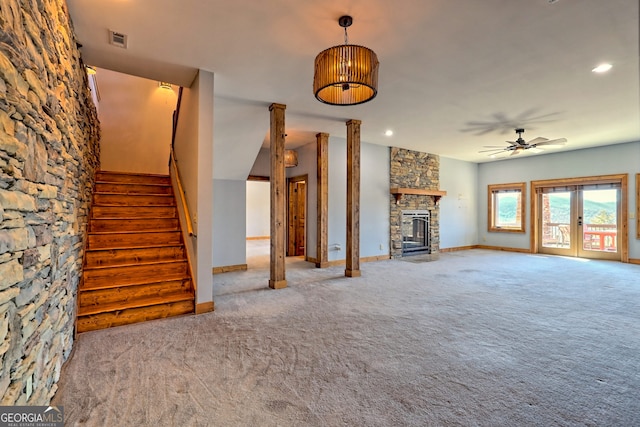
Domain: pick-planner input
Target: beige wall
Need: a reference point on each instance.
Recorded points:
(136, 119)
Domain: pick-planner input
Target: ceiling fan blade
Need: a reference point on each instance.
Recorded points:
(537, 140)
(552, 142)
(494, 146)
(499, 155)
(493, 149)
(515, 152)
(513, 143)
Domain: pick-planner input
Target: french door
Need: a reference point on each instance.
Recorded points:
(580, 220)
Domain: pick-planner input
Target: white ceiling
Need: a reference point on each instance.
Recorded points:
(455, 75)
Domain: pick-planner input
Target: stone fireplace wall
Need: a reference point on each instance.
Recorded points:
(413, 169)
(48, 157)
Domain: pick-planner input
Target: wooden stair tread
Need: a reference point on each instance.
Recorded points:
(112, 205)
(134, 315)
(145, 263)
(138, 282)
(129, 218)
(120, 193)
(126, 248)
(140, 302)
(117, 248)
(157, 230)
(151, 184)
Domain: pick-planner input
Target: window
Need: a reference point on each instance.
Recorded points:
(506, 207)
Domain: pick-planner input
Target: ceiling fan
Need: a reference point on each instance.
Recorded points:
(519, 145)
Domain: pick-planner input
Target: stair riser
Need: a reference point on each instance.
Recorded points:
(131, 256)
(125, 240)
(123, 188)
(133, 315)
(132, 293)
(132, 275)
(132, 178)
(133, 200)
(99, 212)
(101, 225)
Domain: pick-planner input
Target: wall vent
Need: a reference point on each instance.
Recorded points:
(118, 39)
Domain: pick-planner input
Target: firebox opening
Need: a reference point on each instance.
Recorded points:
(416, 236)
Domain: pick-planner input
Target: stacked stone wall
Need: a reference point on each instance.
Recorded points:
(413, 169)
(49, 153)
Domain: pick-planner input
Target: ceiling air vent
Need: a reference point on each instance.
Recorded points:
(118, 39)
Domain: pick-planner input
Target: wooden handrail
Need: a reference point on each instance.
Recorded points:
(183, 198)
(174, 164)
(176, 115)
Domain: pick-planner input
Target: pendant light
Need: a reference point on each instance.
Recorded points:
(346, 74)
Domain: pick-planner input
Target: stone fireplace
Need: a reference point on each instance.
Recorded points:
(414, 212)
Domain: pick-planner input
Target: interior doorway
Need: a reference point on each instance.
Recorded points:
(581, 218)
(296, 214)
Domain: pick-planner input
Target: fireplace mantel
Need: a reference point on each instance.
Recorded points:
(398, 192)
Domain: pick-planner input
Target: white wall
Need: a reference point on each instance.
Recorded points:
(458, 209)
(262, 163)
(374, 199)
(613, 159)
(229, 222)
(136, 119)
(194, 152)
(258, 209)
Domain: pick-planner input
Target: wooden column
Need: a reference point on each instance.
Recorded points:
(353, 199)
(278, 198)
(322, 234)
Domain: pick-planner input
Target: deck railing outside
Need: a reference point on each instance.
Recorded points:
(595, 237)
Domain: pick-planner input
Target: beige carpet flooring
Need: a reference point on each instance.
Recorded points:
(477, 338)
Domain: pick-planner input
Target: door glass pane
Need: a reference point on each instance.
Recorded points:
(600, 213)
(556, 214)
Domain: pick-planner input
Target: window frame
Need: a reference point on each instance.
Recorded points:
(492, 190)
(637, 206)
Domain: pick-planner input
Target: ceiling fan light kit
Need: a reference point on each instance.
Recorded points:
(346, 74)
(520, 145)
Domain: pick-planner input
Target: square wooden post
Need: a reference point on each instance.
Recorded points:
(353, 199)
(322, 234)
(278, 198)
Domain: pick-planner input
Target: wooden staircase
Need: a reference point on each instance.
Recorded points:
(135, 265)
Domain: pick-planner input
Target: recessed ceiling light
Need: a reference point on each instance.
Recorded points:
(388, 132)
(602, 68)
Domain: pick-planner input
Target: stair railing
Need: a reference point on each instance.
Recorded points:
(184, 212)
(174, 166)
(183, 198)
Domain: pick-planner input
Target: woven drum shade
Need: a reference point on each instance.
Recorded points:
(346, 75)
(290, 158)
